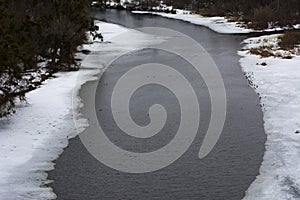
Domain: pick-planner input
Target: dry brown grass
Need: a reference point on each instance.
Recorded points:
(268, 51)
(261, 18)
(263, 51)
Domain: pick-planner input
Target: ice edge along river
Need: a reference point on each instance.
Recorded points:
(277, 82)
(37, 134)
(39, 131)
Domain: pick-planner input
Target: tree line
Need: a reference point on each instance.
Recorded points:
(256, 13)
(35, 31)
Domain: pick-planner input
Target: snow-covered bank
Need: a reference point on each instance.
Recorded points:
(277, 81)
(33, 137)
(38, 132)
(218, 24)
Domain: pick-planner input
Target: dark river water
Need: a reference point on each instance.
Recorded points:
(225, 173)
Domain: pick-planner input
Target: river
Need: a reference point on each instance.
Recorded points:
(225, 173)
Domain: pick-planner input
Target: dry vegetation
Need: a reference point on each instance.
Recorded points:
(259, 14)
(290, 40)
(284, 46)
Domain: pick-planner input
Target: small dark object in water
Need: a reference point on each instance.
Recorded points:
(78, 59)
(85, 51)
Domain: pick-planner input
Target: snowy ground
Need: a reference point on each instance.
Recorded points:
(218, 24)
(278, 85)
(38, 132)
(33, 137)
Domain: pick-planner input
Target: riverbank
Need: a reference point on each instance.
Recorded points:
(277, 81)
(34, 136)
(39, 131)
(217, 24)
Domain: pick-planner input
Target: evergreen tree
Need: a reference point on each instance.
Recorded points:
(32, 30)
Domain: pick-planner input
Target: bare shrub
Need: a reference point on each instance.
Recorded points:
(262, 16)
(290, 39)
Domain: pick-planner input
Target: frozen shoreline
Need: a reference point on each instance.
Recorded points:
(217, 24)
(37, 134)
(278, 85)
(34, 136)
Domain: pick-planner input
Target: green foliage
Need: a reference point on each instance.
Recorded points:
(32, 30)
